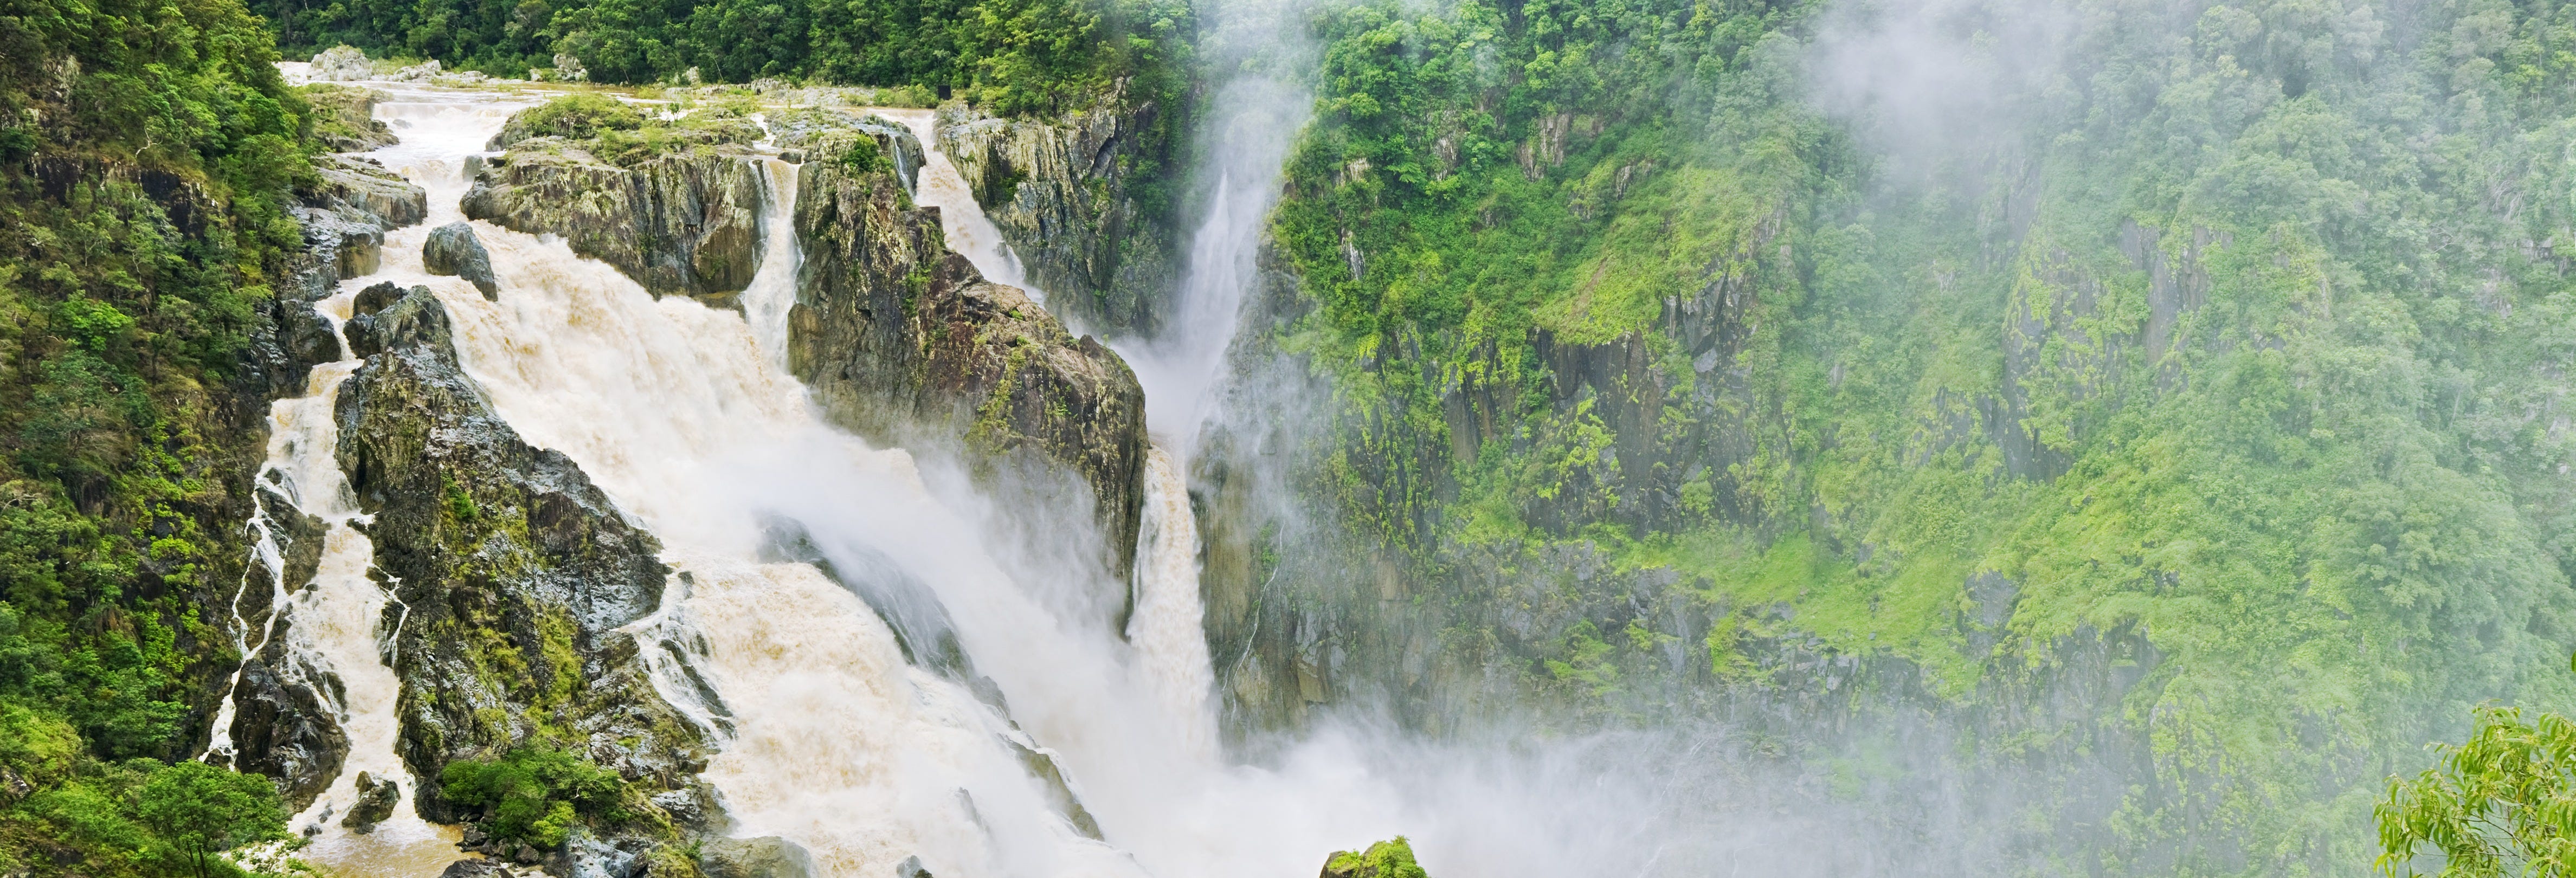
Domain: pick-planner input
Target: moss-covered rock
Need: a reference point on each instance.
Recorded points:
(511, 572)
(344, 117)
(904, 342)
(680, 221)
(1070, 198)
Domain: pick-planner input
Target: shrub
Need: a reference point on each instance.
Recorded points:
(533, 794)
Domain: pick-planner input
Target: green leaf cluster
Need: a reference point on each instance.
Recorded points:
(534, 794)
(2501, 803)
(1392, 858)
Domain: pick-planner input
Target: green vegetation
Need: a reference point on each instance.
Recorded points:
(2504, 803)
(621, 135)
(2235, 338)
(202, 810)
(1012, 56)
(1385, 859)
(138, 817)
(146, 157)
(534, 795)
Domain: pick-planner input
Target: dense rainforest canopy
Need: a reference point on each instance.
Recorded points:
(1014, 55)
(146, 153)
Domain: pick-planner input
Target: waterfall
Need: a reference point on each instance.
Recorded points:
(685, 416)
(1166, 628)
(961, 219)
(337, 624)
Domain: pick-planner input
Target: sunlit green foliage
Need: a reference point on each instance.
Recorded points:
(146, 157)
(2503, 803)
(1386, 859)
(202, 810)
(533, 794)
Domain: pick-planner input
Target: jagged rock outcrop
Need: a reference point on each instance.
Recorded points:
(902, 341)
(684, 222)
(281, 727)
(453, 250)
(345, 215)
(1065, 197)
(511, 572)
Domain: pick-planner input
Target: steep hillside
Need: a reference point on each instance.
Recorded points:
(154, 273)
(2162, 400)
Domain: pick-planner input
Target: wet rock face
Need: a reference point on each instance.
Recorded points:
(511, 573)
(453, 250)
(281, 726)
(683, 223)
(345, 216)
(903, 342)
(1062, 195)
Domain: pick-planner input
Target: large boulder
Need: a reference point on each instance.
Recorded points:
(343, 64)
(453, 250)
(905, 343)
(376, 798)
(513, 574)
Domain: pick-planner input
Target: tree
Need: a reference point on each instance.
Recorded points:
(203, 810)
(2502, 803)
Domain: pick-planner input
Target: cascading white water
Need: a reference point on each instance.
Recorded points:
(337, 624)
(1167, 628)
(687, 418)
(688, 421)
(961, 220)
(265, 557)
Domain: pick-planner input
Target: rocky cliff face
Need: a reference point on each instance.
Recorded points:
(1070, 199)
(512, 572)
(903, 341)
(680, 222)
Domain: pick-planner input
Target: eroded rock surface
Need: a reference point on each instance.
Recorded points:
(1063, 195)
(903, 341)
(453, 250)
(683, 222)
(512, 574)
